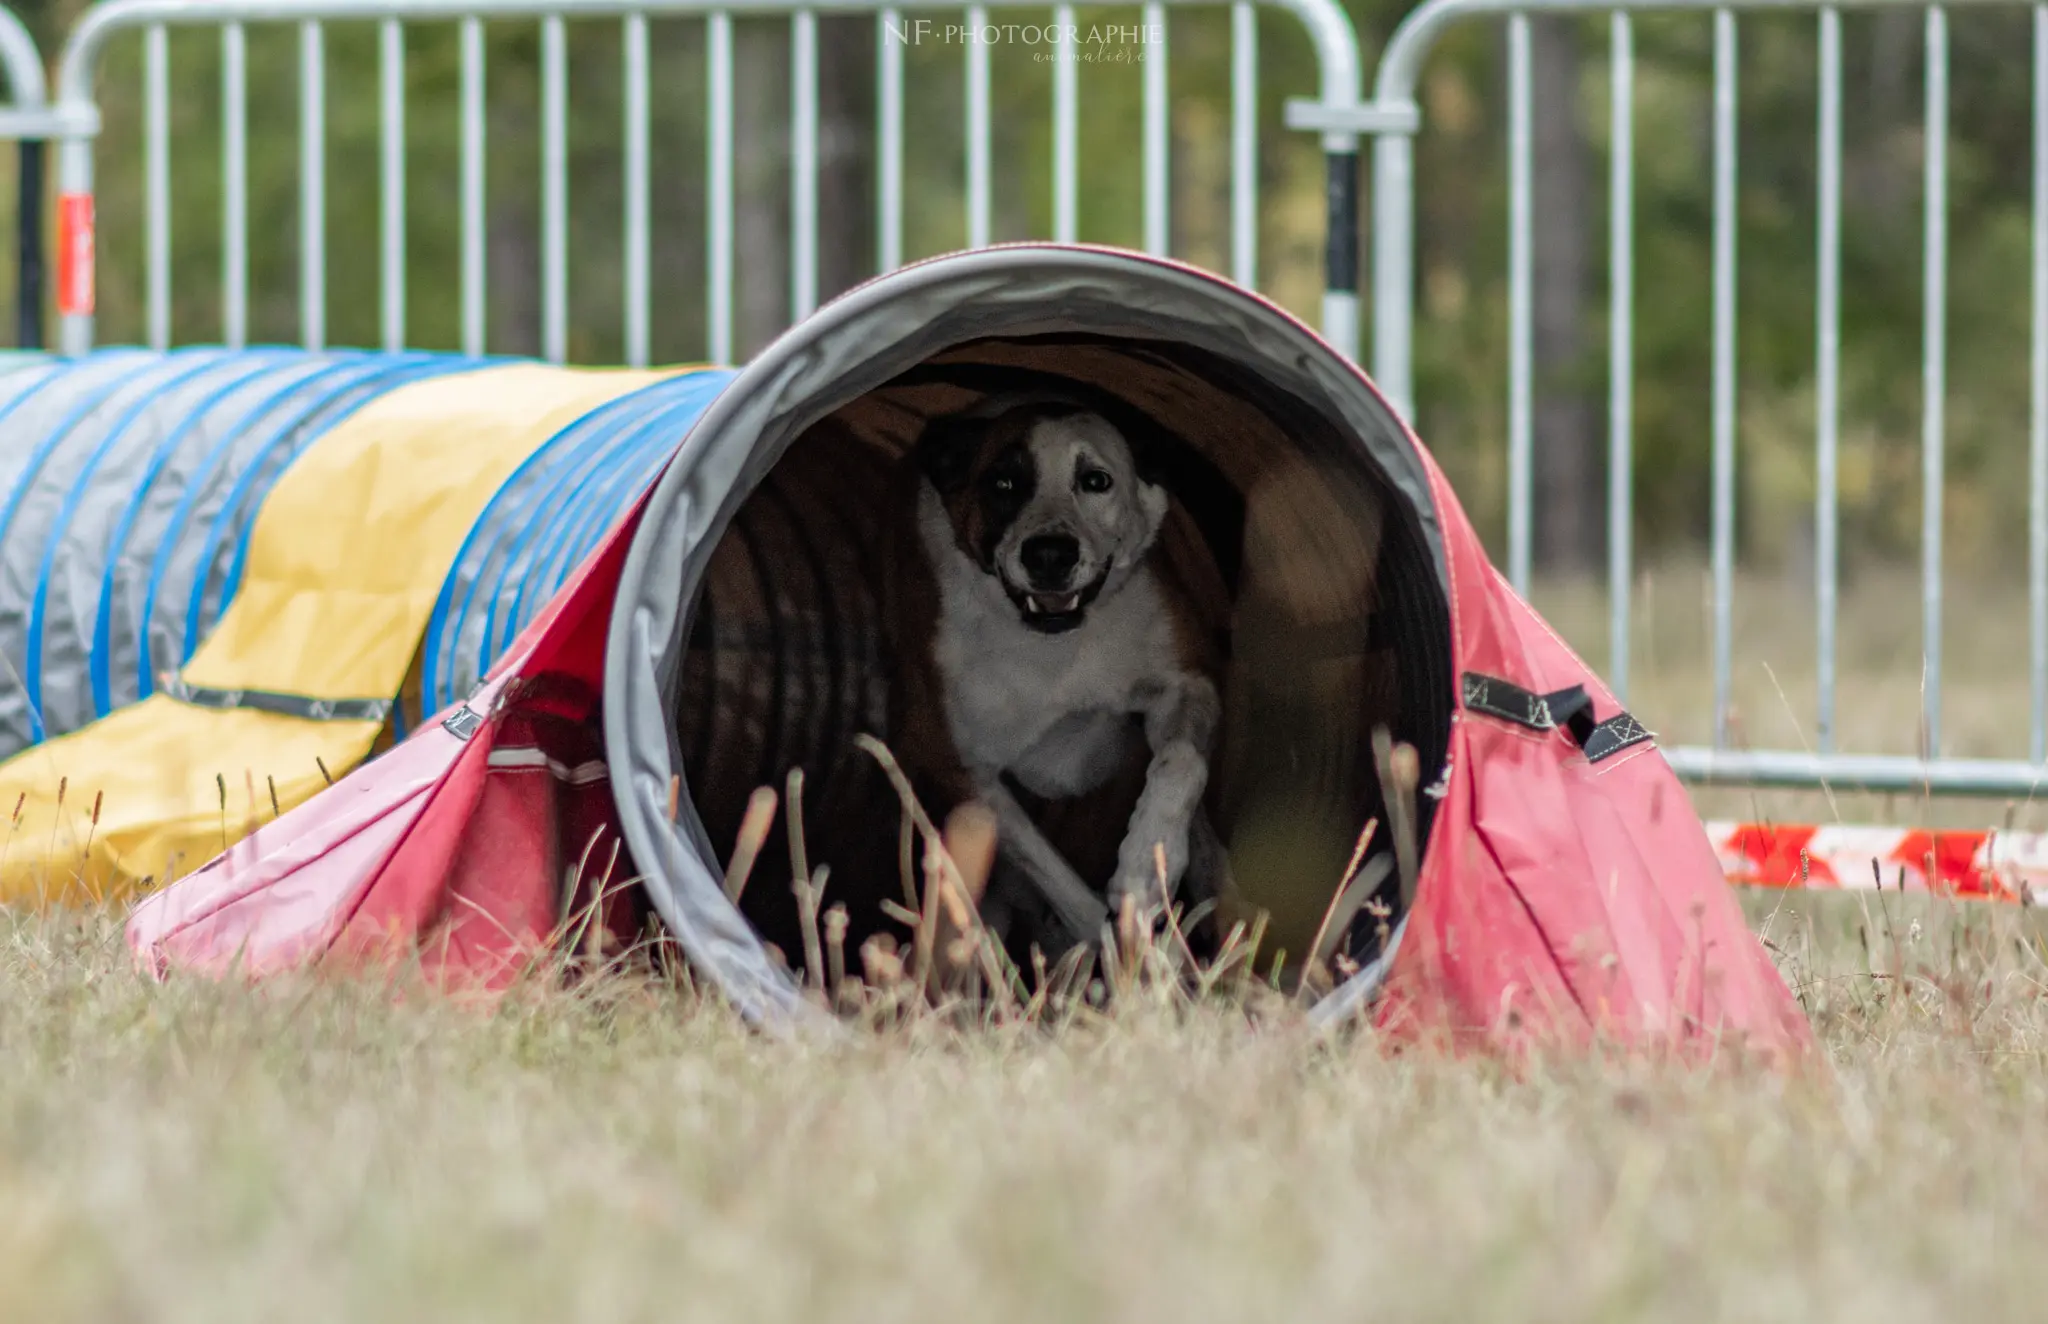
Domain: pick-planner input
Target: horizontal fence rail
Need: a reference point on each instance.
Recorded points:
(1329, 113)
(1392, 118)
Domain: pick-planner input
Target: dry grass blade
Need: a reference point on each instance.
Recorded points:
(924, 949)
(880, 948)
(809, 893)
(1361, 886)
(1400, 772)
(944, 884)
(596, 936)
(793, 820)
(13, 826)
(878, 751)
(906, 855)
(971, 841)
(1316, 952)
(753, 835)
(836, 923)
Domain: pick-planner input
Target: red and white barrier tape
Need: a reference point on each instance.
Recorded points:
(1990, 864)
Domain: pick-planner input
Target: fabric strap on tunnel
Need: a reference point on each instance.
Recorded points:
(1569, 709)
(288, 705)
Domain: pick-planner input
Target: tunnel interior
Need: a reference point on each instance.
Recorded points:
(1317, 583)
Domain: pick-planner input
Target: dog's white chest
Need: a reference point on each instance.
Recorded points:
(1053, 710)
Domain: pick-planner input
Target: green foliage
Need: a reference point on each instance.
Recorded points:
(1462, 328)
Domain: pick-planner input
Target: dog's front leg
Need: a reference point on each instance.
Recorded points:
(1020, 839)
(1180, 722)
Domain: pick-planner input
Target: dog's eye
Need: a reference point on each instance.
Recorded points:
(1097, 480)
(1004, 485)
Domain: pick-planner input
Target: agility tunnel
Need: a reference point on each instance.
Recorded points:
(624, 601)
(218, 570)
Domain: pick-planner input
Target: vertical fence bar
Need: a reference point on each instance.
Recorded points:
(1620, 345)
(1724, 368)
(1520, 440)
(156, 121)
(638, 222)
(1828, 377)
(1158, 143)
(2037, 492)
(1066, 128)
(803, 164)
(1933, 374)
(472, 170)
(312, 187)
(889, 141)
(978, 175)
(719, 200)
(1393, 269)
(74, 177)
(234, 185)
(391, 135)
(1244, 143)
(28, 244)
(554, 185)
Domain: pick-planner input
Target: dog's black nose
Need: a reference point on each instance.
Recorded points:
(1050, 559)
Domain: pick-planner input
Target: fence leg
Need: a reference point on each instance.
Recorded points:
(1340, 259)
(28, 268)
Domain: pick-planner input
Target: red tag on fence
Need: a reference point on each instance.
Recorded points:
(74, 253)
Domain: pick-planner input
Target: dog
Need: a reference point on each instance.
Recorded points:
(1037, 629)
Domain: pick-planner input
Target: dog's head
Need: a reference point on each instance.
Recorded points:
(1048, 498)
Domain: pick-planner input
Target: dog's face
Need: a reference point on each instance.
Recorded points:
(1047, 499)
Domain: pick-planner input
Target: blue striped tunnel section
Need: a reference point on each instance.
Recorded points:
(546, 519)
(129, 484)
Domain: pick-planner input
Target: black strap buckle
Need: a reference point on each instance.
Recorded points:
(1569, 709)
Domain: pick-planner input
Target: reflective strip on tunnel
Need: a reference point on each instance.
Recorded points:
(288, 705)
(582, 774)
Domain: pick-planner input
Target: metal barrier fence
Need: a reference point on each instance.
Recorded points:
(1393, 119)
(1338, 114)
(1324, 22)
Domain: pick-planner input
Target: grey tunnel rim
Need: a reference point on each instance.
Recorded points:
(851, 346)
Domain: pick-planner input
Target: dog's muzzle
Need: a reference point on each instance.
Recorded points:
(1055, 613)
(1051, 602)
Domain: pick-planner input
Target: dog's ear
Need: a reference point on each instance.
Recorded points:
(1155, 454)
(946, 450)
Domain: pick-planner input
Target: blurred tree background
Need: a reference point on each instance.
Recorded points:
(1461, 225)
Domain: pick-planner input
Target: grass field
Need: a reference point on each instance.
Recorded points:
(322, 1151)
(325, 1152)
